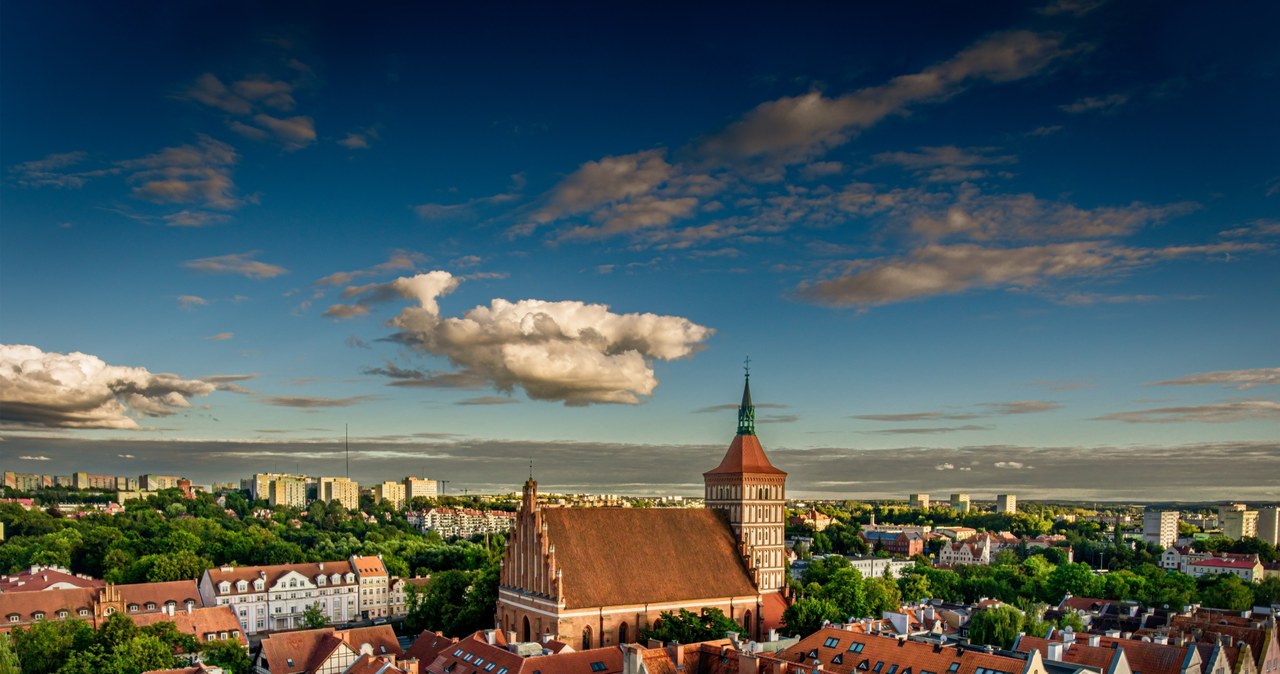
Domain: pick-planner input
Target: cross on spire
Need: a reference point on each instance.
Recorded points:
(746, 366)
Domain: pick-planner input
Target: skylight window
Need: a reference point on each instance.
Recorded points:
(831, 642)
(855, 647)
(598, 667)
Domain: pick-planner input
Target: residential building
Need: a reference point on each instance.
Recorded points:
(375, 587)
(328, 651)
(88, 481)
(462, 523)
(259, 486)
(1160, 527)
(1269, 525)
(206, 624)
(1247, 567)
(420, 488)
(1237, 524)
(871, 566)
(1006, 503)
(126, 484)
(960, 503)
(897, 543)
(39, 578)
(151, 482)
(957, 533)
(392, 492)
(919, 501)
(268, 598)
(596, 577)
(494, 652)
(812, 519)
(1141, 655)
(95, 604)
(26, 481)
(288, 491)
(343, 490)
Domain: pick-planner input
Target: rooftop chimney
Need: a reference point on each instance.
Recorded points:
(1055, 651)
(1094, 640)
(677, 655)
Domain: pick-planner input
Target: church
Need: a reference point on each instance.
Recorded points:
(595, 577)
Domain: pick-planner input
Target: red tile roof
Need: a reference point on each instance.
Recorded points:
(473, 655)
(369, 566)
(40, 579)
(381, 639)
(232, 574)
(200, 622)
(745, 455)
(305, 649)
(178, 591)
(369, 664)
(616, 556)
(910, 657)
(49, 602)
(1097, 657)
(428, 645)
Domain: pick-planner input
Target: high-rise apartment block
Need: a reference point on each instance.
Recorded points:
(1006, 503)
(289, 491)
(960, 503)
(1269, 525)
(342, 490)
(919, 501)
(1237, 524)
(390, 491)
(419, 487)
(150, 482)
(1160, 527)
(259, 486)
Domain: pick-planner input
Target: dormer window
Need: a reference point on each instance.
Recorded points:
(38, 615)
(83, 611)
(63, 613)
(241, 586)
(133, 608)
(14, 617)
(224, 586)
(320, 580)
(151, 606)
(258, 585)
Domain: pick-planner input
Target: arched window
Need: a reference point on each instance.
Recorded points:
(746, 624)
(622, 633)
(586, 637)
(528, 634)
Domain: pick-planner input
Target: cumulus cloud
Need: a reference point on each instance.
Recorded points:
(797, 128)
(417, 287)
(1213, 413)
(1239, 379)
(241, 264)
(567, 351)
(77, 390)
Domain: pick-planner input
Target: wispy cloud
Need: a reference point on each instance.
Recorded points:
(488, 400)
(946, 163)
(1239, 379)
(1098, 104)
(191, 301)
(727, 407)
(221, 336)
(29, 457)
(241, 264)
(936, 430)
(397, 261)
(1213, 413)
(313, 402)
(255, 104)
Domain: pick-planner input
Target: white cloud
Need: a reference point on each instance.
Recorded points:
(1011, 465)
(945, 466)
(29, 457)
(77, 390)
(126, 456)
(292, 133)
(398, 260)
(1240, 379)
(567, 351)
(241, 264)
(191, 301)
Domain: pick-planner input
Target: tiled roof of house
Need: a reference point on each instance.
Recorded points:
(49, 602)
(199, 622)
(697, 658)
(1145, 657)
(475, 655)
(1228, 563)
(428, 645)
(311, 570)
(1086, 604)
(613, 556)
(851, 652)
(35, 579)
(370, 664)
(745, 455)
(299, 652)
(177, 591)
(1079, 653)
(369, 565)
(381, 639)
(1202, 627)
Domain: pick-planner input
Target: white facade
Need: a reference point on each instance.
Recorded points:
(420, 487)
(919, 501)
(1160, 527)
(1237, 524)
(449, 522)
(1269, 525)
(390, 491)
(342, 490)
(269, 598)
(290, 492)
(1006, 503)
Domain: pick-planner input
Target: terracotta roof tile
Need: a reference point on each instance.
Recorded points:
(885, 654)
(49, 602)
(370, 664)
(615, 556)
(274, 572)
(200, 622)
(745, 455)
(428, 645)
(474, 654)
(380, 638)
(1098, 657)
(178, 591)
(41, 579)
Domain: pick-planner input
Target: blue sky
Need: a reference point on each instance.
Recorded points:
(935, 228)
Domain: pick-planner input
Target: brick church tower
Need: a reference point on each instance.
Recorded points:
(751, 492)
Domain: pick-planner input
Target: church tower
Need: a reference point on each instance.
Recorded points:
(751, 492)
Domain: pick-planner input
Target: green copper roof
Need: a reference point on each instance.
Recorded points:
(747, 411)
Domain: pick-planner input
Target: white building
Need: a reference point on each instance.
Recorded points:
(259, 486)
(340, 489)
(919, 501)
(268, 598)
(1160, 527)
(375, 587)
(449, 522)
(874, 567)
(1237, 524)
(1248, 568)
(960, 503)
(420, 487)
(1006, 503)
(390, 491)
(288, 491)
(1269, 525)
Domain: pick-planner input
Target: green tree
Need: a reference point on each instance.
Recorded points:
(913, 586)
(9, 663)
(313, 617)
(92, 661)
(228, 654)
(45, 645)
(140, 654)
(1074, 579)
(116, 630)
(1227, 591)
(997, 626)
(807, 615)
(1267, 592)
(688, 627)
(882, 595)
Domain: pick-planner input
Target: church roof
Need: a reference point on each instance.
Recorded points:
(618, 556)
(745, 455)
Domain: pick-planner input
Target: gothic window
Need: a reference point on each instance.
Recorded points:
(622, 633)
(528, 634)
(586, 636)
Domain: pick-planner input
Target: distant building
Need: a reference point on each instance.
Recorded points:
(813, 519)
(26, 481)
(151, 482)
(342, 490)
(88, 481)
(919, 501)
(463, 523)
(259, 486)
(1248, 568)
(1160, 527)
(1269, 525)
(960, 503)
(268, 598)
(288, 491)
(1237, 524)
(392, 492)
(420, 488)
(896, 543)
(1006, 504)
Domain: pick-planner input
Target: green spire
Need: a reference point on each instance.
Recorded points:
(747, 411)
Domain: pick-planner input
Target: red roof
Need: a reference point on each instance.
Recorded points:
(200, 622)
(745, 455)
(1232, 563)
(843, 657)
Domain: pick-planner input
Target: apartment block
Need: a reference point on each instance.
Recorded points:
(1237, 524)
(1269, 525)
(1006, 503)
(919, 501)
(420, 487)
(1160, 527)
(960, 503)
(390, 491)
(289, 492)
(340, 489)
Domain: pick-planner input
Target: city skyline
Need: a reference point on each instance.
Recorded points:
(1010, 248)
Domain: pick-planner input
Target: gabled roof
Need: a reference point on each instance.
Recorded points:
(49, 602)
(1096, 657)
(745, 456)
(199, 622)
(381, 639)
(232, 574)
(615, 556)
(370, 664)
(301, 651)
(177, 591)
(910, 657)
(36, 578)
(427, 646)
